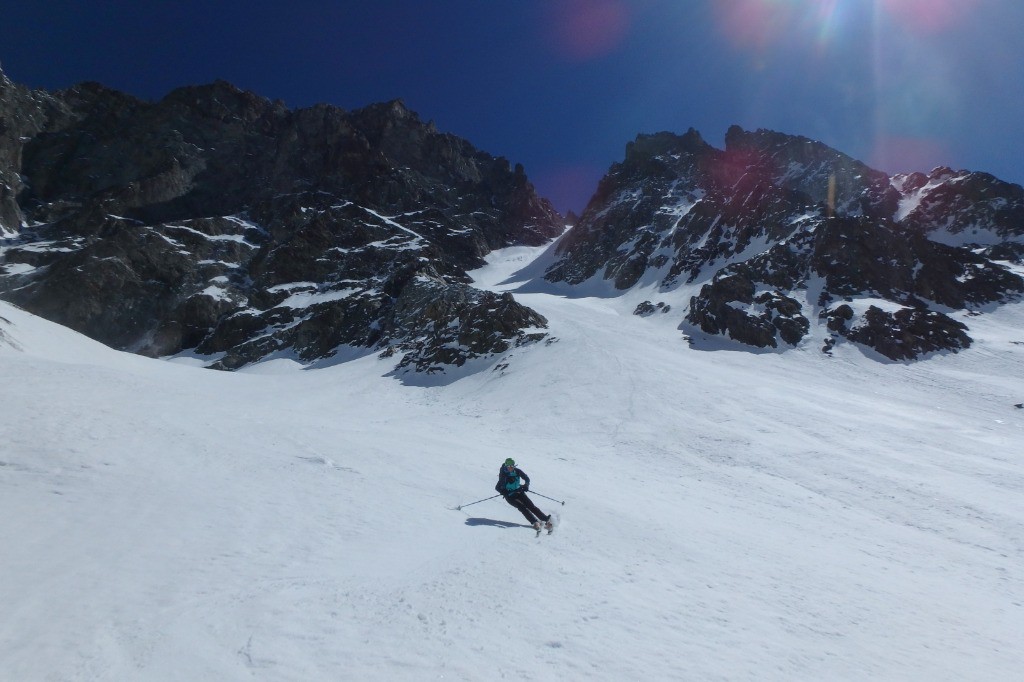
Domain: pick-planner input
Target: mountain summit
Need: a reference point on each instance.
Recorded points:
(777, 234)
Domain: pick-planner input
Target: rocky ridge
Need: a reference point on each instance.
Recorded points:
(779, 235)
(220, 223)
(217, 223)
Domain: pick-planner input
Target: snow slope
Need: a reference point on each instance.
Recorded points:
(727, 516)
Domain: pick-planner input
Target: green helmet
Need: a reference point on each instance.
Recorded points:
(510, 462)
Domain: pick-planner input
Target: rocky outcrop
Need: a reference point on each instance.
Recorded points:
(773, 231)
(457, 324)
(763, 301)
(640, 211)
(646, 308)
(961, 208)
(909, 332)
(23, 115)
(220, 222)
(733, 305)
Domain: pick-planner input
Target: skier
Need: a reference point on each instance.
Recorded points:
(513, 484)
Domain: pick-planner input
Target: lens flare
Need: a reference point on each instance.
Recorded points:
(760, 24)
(748, 23)
(915, 89)
(582, 30)
(928, 16)
(826, 16)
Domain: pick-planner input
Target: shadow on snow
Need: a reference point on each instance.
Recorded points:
(494, 523)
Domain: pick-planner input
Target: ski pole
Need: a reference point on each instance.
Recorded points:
(483, 500)
(548, 498)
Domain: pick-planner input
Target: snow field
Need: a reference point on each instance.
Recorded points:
(728, 516)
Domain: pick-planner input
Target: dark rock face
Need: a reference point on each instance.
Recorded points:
(219, 221)
(842, 184)
(646, 308)
(732, 305)
(960, 208)
(639, 208)
(909, 332)
(775, 230)
(458, 323)
(852, 258)
(23, 115)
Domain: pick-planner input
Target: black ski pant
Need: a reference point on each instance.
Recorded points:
(526, 506)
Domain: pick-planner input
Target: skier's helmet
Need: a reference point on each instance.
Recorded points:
(510, 463)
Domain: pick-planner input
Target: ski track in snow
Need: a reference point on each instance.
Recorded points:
(728, 516)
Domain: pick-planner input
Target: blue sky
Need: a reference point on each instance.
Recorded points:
(562, 85)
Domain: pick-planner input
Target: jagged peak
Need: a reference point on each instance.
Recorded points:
(647, 145)
(91, 98)
(89, 89)
(394, 109)
(796, 148)
(220, 90)
(217, 86)
(733, 132)
(398, 108)
(945, 174)
(763, 139)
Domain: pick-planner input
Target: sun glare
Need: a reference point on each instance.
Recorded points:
(928, 16)
(761, 24)
(885, 56)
